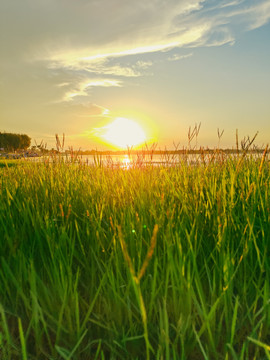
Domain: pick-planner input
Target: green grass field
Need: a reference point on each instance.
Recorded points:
(144, 263)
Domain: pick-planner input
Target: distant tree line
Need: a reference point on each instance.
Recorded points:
(12, 142)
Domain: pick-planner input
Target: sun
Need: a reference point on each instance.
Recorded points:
(122, 132)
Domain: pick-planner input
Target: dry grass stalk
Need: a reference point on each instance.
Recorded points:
(149, 253)
(263, 159)
(147, 258)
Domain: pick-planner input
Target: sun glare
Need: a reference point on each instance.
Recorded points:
(122, 133)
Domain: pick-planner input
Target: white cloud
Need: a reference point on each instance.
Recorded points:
(232, 3)
(102, 82)
(144, 64)
(78, 33)
(176, 57)
(260, 15)
(247, 14)
(88, 110)
(77, 40)
(63, 84)
(152, 27)
(83, 87)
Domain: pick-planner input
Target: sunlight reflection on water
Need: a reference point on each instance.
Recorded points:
(128, 161)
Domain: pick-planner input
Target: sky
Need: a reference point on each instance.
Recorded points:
(74, 66)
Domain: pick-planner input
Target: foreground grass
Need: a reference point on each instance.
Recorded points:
(162, 263)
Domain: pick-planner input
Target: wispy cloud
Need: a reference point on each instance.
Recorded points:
(260, 15)
(119, 64)
(232, 3)
(176, 57)
(77, 40)
(76, 61)
(83, 87)
(63, 84)
(88, 110)
(190, 23)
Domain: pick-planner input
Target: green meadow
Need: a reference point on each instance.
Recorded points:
(150, 262)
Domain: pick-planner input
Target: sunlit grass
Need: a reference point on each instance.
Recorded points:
(75, 238)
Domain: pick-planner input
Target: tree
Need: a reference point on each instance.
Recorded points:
(12, 142)
(25, 141)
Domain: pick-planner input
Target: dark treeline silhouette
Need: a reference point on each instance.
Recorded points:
(12, 142)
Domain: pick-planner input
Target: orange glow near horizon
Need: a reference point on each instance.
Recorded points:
(122, 133)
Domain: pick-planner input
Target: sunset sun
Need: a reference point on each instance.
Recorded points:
(122, 132)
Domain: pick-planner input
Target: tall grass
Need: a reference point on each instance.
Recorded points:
(85, 274)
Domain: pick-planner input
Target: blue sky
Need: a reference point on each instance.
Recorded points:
(72, 66)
